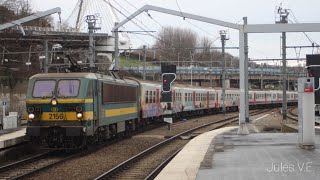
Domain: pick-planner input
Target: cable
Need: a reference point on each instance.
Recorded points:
(159, 39)
(192, 23)
(308, 37)
(149, 15)
(131, 19)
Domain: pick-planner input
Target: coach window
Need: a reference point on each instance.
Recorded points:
(154, 97)
(150, 96)
(146, 97)
(185, 97)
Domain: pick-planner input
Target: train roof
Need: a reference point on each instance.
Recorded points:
(86, 75)
(64, 75)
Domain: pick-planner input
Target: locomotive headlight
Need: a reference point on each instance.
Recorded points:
(31, 116)
(79, 115)
(54, 102)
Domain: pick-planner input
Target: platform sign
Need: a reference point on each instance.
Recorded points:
(168, 120)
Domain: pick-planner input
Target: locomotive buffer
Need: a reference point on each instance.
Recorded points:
(168, 76)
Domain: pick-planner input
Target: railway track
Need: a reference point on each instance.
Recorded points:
(33, 165)
(147, 164)
(292, 116)
(40, 162)
(30, 165)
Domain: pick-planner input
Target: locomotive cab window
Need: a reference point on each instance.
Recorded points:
(43, 88)
(68, 88)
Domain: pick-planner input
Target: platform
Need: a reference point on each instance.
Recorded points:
(253, 156)
(12, 137)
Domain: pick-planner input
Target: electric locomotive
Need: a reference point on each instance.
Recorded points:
(70, 110)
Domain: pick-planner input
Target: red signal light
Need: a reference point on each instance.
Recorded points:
(311, 74)
(165, 81)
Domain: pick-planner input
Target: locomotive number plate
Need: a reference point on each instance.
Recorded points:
(56, 116)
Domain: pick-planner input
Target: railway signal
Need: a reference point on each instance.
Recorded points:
(167, 80)
(313, 68)
(168, 77)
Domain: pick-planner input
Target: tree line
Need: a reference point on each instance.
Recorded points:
(11, 10)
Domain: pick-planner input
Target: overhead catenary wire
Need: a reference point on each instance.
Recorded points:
(164, 28)
(159, 39)
(308, 37)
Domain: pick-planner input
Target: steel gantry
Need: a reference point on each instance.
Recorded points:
(38, 15)
(244, 30)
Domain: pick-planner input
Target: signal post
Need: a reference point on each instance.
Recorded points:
(168, 76)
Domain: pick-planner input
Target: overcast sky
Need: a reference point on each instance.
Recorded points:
(257, 11)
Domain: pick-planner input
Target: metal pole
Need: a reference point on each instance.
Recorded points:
(284, 73)
(139, 60)
(45, 66)
(242, 68)
(91, 54)
(246, 61)
(3, 114)
(2, 55)
(116, 47)
(261, 82)
(144, 61)
(191, 67)
(211, 83)
(79, 14)
(223, 39)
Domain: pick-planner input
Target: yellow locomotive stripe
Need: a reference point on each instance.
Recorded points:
(65, 116)
(120, 111)
(60, 101)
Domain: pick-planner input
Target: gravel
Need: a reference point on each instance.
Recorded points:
(93, 165)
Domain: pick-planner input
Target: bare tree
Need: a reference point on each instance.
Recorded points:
(174, 42)
(21, 8)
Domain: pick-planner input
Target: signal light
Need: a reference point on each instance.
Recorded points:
(311, 74)
(167, 80)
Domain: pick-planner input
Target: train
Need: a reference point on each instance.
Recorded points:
(72, 110)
